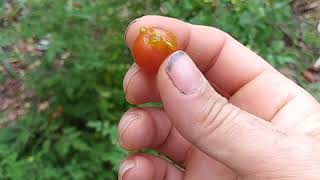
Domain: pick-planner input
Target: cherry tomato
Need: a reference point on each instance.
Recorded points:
(152, 47)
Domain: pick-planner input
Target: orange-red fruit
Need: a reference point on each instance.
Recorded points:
(152, 47)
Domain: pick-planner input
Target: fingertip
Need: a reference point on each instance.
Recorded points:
(136, 130)
(128, 27)
(140, 87)
(131, 73)
(147, 167)
(125, 168)
(137, 167)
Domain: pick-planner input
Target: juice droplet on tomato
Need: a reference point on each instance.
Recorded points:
(156, 38)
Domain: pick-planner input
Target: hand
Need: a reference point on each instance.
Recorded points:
(227, 114)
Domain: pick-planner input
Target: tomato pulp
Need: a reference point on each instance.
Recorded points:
(152, 47)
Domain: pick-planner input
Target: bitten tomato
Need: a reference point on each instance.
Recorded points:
(152, 47)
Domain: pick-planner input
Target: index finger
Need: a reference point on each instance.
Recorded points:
(225, 62)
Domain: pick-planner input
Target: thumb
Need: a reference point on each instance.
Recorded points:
(213, 125)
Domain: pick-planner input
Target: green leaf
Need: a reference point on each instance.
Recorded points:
(80, 145)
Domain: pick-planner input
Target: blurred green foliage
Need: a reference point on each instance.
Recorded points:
(81, 141)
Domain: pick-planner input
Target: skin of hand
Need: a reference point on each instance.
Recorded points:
(227, 114)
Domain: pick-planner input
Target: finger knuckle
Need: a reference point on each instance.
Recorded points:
(217, 115)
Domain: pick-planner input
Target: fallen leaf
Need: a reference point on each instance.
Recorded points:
(27, 105)
(76, 5)
(43, 106)
(12, 116)
(65, 55)
(30, 48)
(57, 113)
(312, 75)
(4, 106)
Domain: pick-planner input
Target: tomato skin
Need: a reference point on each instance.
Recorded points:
(152, 47)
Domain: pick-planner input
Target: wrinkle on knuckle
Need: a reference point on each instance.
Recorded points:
(217, 114)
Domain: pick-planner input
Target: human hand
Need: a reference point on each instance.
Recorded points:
(262, 126)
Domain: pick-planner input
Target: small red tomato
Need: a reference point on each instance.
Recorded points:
(152, 47)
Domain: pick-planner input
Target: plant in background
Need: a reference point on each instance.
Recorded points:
(77, 60)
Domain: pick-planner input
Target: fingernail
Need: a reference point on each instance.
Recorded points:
(184, 73)
(125, 166)
(132, 22)
(134, 69)
(125, 122)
